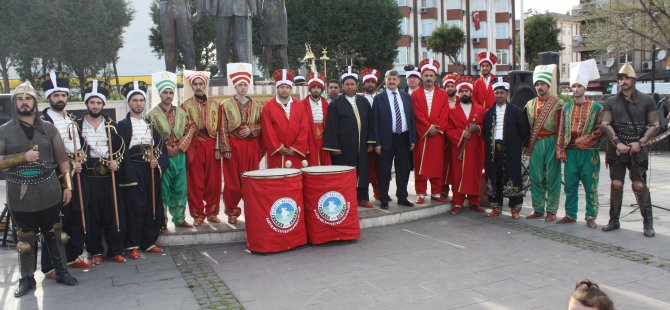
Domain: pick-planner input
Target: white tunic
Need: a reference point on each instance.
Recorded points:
(67, 130)
(429, 99)
(96, 138)
(141, 133)
(317, 110)
(500, 120)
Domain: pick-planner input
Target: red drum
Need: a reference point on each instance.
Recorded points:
(331, 203)
(273, 206)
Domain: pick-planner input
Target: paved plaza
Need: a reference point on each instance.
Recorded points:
(468, 261)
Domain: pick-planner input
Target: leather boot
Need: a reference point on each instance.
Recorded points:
(26, 285)
(616, 198)
(644, 201)
(62, 274)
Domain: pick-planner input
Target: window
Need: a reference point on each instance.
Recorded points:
(481, 33)
(401, 58)
(427, 27)
(427, 3)
(478, 5)
(402, 2)
(501, 5)
(502, 31)
(625, 57)
(403, 26)
(455, 22)
(503, 57)
(475, 52)
(426, 54)
(453, 4)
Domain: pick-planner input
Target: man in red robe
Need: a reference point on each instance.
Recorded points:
(285, 127)
(317, 111)
(431, 111)
(482, 92)
(449, 84)
(370, 80)
(467, 147)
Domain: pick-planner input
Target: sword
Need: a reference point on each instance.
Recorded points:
(111, 158)
(78, 176)
(461, 152)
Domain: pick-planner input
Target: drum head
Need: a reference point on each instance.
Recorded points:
(271, 173)
(326, 169)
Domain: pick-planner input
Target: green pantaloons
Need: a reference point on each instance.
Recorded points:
(174, 188)
(545, 176)
(584, 166)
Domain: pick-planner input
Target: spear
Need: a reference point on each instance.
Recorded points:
(111, 158)
(78, 176)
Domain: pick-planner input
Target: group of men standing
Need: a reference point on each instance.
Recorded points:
(117, 178)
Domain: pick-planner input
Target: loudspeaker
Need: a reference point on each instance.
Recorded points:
(521, 88)
(550, 58)
(5, 108)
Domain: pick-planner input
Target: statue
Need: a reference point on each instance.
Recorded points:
(274, 32)
(176, 29)
(231, 20)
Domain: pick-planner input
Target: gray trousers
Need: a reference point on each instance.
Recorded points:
(176, 28)
(227, 26)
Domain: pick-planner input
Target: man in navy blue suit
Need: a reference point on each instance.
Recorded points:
(394, 132)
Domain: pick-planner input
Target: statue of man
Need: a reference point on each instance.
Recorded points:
(274, 32)
(176, 29)
(231, 20)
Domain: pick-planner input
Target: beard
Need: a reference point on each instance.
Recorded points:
(22, 112)
(57, 106)
(466, 99)
(94, 114)
(451, 93)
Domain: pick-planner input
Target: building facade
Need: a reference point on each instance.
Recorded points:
(495, 33)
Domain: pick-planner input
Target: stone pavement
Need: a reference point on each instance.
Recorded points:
(442, 262)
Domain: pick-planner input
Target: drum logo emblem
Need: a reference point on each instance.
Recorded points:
(332, 208)
(284, 215)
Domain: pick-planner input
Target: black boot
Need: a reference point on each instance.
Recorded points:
(615, 211)
(62, 274)
(648, 221)
(26, 285)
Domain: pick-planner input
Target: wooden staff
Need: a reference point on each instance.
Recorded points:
(461, 152)
(111, 158)
(78, 176)
(151, 159)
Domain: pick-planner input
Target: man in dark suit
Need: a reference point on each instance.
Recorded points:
(394, 131)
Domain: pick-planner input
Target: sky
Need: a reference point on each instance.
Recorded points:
(560, 6)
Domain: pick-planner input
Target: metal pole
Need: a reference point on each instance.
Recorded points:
(522, 49)
(653, 67)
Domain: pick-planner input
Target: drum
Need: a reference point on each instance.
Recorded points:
(330, 203)
(273, 206)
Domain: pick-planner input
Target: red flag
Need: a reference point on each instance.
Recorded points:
(475, 20)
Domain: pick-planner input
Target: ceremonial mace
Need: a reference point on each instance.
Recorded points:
(111, 158)
(461, 152)
(151, 159)
(77, 174)
(325, 59)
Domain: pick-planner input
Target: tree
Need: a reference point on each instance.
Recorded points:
(447, 40)
(204, 35)
(366, 32)
(541, 35)
(626, 25)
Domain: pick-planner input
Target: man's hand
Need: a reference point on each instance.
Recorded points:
(473, 128)
(153, 164)
(466, 134)
(622, 148)
(378, 150)
(432, 131)
(113, 165)
(370, 148)
(32, 156)
(217, 154)
(67, 195)
(635, 147)
(411, 147)
(245, 131)
(172, 151)
(336, 153)
(290, 152)
(227, 155)
(77, 166)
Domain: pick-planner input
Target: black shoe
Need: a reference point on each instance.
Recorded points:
(384, 205)
(611, 226)
(405, 203)
(25, 285)
(649, 232)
